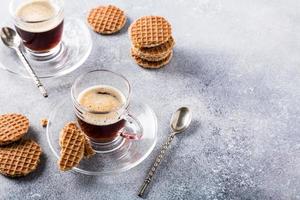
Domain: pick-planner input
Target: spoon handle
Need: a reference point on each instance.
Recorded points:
(156, 164)
(31, 73)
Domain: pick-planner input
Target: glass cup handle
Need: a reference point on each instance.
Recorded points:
(132, 135)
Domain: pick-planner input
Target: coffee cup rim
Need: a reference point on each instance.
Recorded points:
(18, 19)
(76, 103)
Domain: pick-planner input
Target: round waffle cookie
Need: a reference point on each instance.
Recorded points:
(155, 53)
(19, 159)
(12, 127)
(72, 142)
(151, 64)
(106, 19)
(150, 31)
(157, 57)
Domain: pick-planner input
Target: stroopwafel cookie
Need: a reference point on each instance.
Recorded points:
(151, 64)
(157, 57)
(106, 19)
(156, 52)
(150, 31)
(72, 142)
(19, 159)
(12, 127)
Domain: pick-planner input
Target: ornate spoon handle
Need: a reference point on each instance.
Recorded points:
(156, 164)
(31, 72)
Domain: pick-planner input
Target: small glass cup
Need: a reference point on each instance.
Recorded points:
(105, 137)
(39, 23)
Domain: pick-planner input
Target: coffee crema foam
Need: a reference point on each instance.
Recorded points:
(103, 99)
(38, 16)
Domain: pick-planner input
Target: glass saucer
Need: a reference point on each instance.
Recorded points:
(76, 46)
(130, 154)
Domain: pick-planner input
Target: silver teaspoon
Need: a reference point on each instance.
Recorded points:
(181, 119)
(12, 40)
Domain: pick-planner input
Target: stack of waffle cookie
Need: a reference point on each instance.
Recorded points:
(18, 156)
(152, 41)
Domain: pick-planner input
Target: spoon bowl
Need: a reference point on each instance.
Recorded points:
(181, 119)
(9, 37)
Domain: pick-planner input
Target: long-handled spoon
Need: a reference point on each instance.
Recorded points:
(181, 119)
(12, 40)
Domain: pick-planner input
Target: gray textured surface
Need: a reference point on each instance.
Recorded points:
(236, 64)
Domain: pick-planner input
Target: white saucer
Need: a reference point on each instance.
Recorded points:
(77, 45)
(129, 155)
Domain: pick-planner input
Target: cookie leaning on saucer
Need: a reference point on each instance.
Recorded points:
(151, 64)
(72, 142)
(88, 149)
(12, 127)
(19, 159)
(149, 31)
(155, 53)
(106, 19)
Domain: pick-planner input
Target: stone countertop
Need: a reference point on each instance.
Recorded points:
(236, 65)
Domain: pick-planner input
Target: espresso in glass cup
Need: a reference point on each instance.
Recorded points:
(39, 23)
(101, 99)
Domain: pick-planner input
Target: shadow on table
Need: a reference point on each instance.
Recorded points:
(191, 130)
(205, 65)
(125, 28)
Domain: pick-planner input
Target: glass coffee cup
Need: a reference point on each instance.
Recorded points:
(100, 100)
(39, 23)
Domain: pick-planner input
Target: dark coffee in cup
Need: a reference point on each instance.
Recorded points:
(101, 121)
(40, 25)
